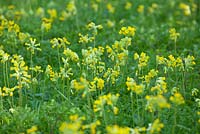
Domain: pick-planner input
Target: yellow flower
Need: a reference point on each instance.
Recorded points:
(128, 5)
(71, 128)
(117, 130)
(94, 6)
(71, 7)
(37, 69)
(138, 130)
(71, 55)
(110, 8)
(52, 13)
(85, 38)
(161, 86)
(40, 12)
(20, 70)
(5, 91)
(128, 31)
(94, 28)
(185, 8)
(108, 99)
(156, 102)
(132, 85)
(4, 56)
(59, 42)
(73, 117)
(177, 98)
(140, 9)
(156, 127)
(92, 126)
(46, 24)
(100, 83)
(110, 23)
(23, 36)
(189, 62)
(111, 74)
(160, 60)
(32, 46)
(173, 34)
(32, 130)
(136, 56)
(151, 74)
(142, 59)
(80, 85)
(172, 61)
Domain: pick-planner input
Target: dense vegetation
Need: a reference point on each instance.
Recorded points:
(99, 66)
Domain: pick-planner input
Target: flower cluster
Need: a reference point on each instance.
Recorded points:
(127, 31)
(108, 99)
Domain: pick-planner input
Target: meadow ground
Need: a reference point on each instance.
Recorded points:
(99, 66)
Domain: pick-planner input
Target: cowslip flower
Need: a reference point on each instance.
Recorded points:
(173, 34)
(46, 24)
(32, 46)
(115, 129)
(110, 8)
(140, 9)
(128, 5)
(133, 86)
(155, 127)
(81, 84)
(100, 83)
(52, 13)
(20, 70)
(143, 59)
(92, 126)
(128, 31)
(156, 102)
(109, 99)
(32, 130)
(59, 42)
(185, 8)
(177, 99)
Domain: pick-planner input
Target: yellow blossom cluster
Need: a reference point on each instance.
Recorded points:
(80, 85)
(143, 59)
(132, 85)
(185, 8)
(183, 64)
(173, 34)
(155, 127)
(177, 99)
(156, 102)
(108, 99)
(115, 129)
(128, 31)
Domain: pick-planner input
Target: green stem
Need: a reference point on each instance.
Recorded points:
(89, 100)
(183, 82)
(174, 127)
(138, 110)
(58, 56)
(104, 116)
(4, 75)
(20, 93)
(63, 86)
(175, 46)
(1, 102)
(31, 65)
(7, 76)
(132, 107)
(68, 89)
(20, 97)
